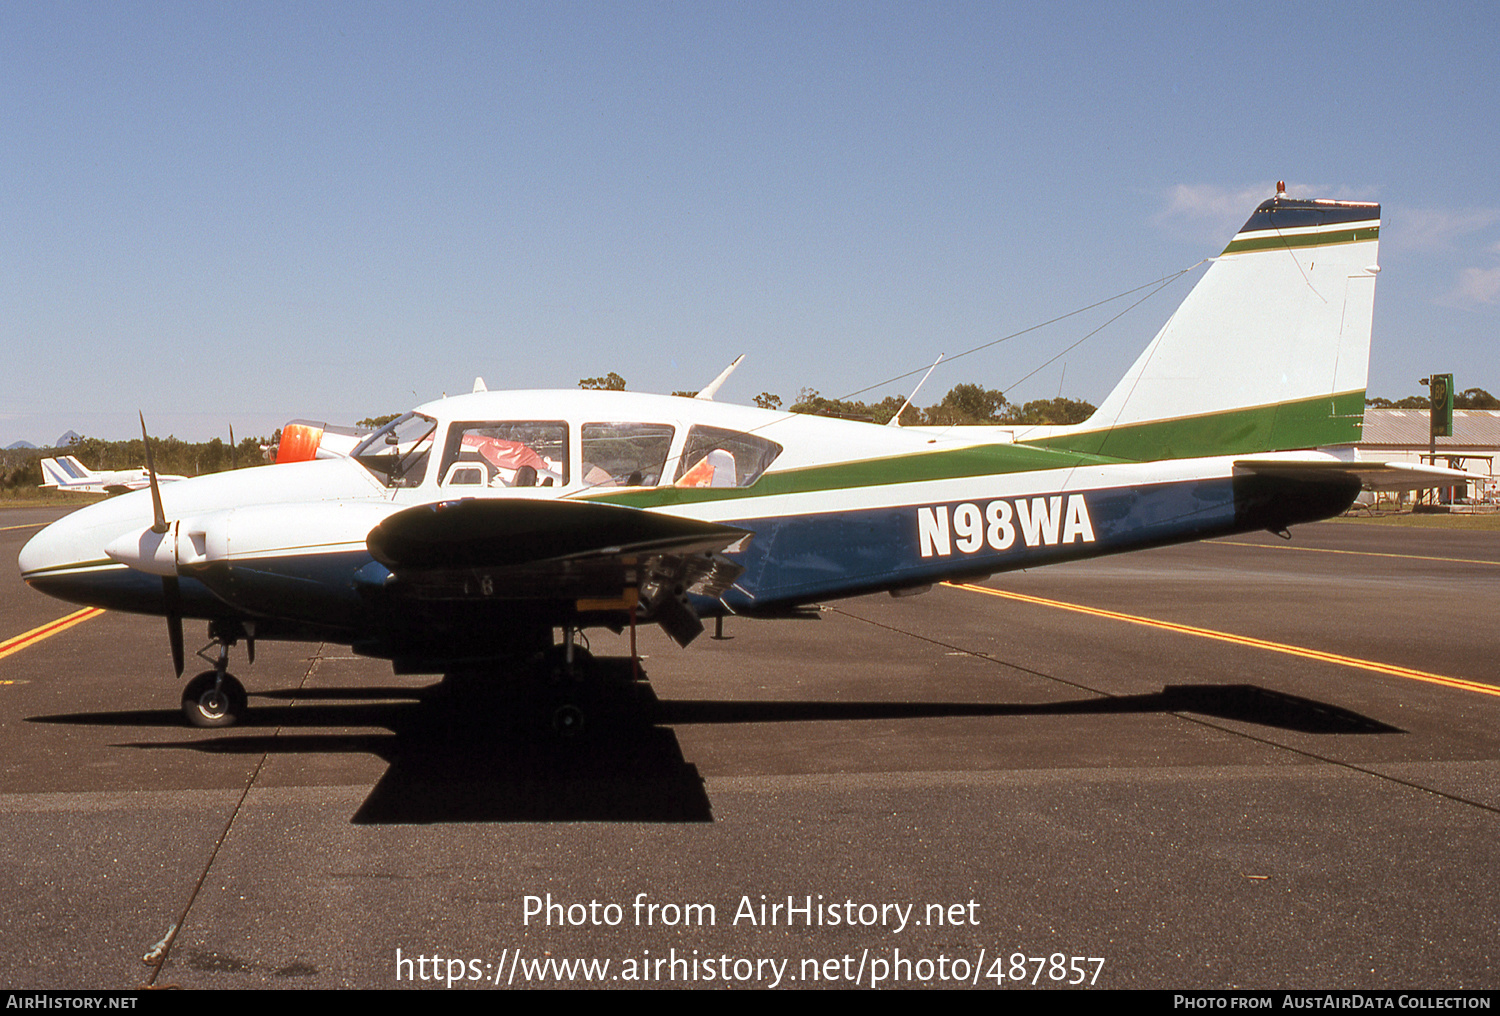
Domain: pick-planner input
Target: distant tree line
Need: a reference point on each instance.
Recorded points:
(376, 422)
(1469, 398)
(610, 382)
(964, 404)
(21, 467)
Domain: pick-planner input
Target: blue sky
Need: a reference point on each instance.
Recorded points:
(245, 213)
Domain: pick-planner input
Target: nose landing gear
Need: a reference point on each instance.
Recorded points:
(215, 698)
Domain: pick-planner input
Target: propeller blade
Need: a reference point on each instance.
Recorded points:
(159, 523)
(171, 591)
(172, 594)
(174, 625)
(174, 635)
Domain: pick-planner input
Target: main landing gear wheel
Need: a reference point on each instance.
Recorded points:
(568, 669)
(568, 720)
(208, 701)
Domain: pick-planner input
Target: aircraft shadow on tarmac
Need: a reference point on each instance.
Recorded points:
(496, 758)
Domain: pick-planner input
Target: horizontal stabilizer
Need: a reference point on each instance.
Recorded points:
(1371, 475)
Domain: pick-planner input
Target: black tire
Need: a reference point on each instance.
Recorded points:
(203, 707)
(569, 720)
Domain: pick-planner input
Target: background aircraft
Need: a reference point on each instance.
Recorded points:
(304, 440)
(67, 473)
(461, 536)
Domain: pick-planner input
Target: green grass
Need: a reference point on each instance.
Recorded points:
(1460, 523)
(36, 497)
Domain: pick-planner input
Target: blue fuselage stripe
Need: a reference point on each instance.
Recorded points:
(810, 557)
(790, 560)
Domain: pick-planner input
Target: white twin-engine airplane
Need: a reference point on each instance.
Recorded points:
(67, 473)
(458, 538)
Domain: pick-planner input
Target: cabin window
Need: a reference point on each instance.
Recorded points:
(625, 454)
(506, 453)
(723, 458)
(398, 452)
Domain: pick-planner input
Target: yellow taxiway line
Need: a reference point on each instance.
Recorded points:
(1360, 553)
(1243, 640)
(15, 645)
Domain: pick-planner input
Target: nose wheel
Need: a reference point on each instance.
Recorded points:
(213, 699)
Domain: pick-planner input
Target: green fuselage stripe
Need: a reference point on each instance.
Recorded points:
(1309, 423)
(979, 460)
(1279, 241)
(1282, 426)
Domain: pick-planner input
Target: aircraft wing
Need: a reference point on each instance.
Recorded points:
(603, 556)
(1371, 475)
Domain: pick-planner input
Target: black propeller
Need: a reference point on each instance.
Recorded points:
(171, 591)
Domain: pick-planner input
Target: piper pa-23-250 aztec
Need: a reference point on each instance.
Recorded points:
(459, 537)
(68, 474)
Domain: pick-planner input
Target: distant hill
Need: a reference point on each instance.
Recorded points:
(19, 446)
(71, 437)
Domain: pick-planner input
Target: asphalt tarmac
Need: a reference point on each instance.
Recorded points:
(1280, 768)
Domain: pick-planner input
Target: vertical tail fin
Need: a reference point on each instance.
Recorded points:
(77, 470)
(66, 471)
(51, 474)
(1268, 352)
